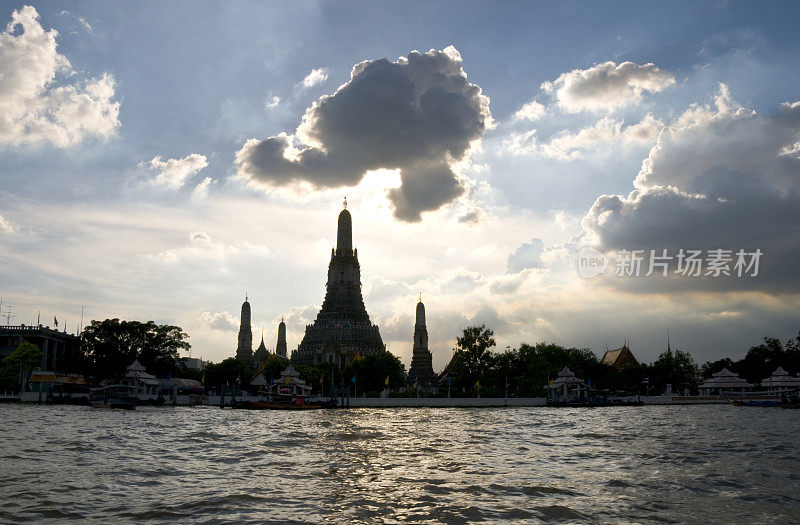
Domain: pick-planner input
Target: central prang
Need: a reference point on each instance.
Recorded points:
(342, 328)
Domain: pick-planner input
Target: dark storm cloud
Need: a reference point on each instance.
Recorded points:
(719, 177)
(418, 114)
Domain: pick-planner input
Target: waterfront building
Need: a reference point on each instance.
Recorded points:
(138, 380)
(244, 352)
(566, 387)
(193, 363)
(342, 328)
(620, 358)
(723, 382)
(60, 350)
(289, 384)
(421, 371)
(780, 381)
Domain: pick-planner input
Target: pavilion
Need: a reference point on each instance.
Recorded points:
(780, 381)
(566, 387)
(722, 382)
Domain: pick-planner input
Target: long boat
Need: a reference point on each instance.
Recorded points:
(113, 396)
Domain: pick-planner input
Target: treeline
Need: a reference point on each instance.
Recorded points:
(109, 346)
(525, 371)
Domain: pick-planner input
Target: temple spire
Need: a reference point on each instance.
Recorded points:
(344, 234)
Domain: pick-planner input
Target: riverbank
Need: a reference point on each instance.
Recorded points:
(443, 402)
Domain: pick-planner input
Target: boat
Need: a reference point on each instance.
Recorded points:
(113, 396)
(286, 403)
(787, 399)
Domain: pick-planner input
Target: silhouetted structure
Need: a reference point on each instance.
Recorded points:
(60, 350)
(342, 328)
(281, 349)
(421, 370)
(619, 358)
(261, 353)
(244, 352)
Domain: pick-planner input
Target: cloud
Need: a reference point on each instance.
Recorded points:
(33, 108)
(199, 236)
(717, 178)
(418, 114)
(529, 255)
(607, 86)
(5, 226)
(174, 173)
(569, 146)
(201, 190)
(530, 111)
(219, 321)
(273, 102)
(317, 76)
(471, 217)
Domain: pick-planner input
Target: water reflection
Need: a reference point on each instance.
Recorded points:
(712, 463)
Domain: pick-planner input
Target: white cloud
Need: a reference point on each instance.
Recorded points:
(317, 76)
(219, 321)
(715, 179)
(174, 173)
(33, 108)
(201, 190)
(569, 146)
(5, 226)
(530, 111)
(607, 86)
(529, 255)
(273, 102)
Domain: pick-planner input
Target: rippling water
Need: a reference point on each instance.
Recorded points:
(714, 463)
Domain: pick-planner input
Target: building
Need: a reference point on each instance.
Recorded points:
(421, 371)
(566, 388)
(60, 350)
(723, 382)
(281, 349)
(261, 354)
(342, 328)
(244, 352)
(780, 381)
(619, 358)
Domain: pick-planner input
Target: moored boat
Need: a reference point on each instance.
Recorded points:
(113, 396)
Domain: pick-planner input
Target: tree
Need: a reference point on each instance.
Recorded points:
(111, 345)
(472, 357)
(372, 370)
(230, 372)
(24, 358)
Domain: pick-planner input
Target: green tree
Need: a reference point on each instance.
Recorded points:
(372, 370)
(111, 345)
(472, 358)
(229, 372)
(24, 358)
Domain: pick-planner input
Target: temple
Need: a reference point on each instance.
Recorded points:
(244, 352)
(342, 328)
(421, 371)
(280, 349)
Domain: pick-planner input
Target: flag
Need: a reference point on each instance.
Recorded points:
(55, 321)
(478, 383)
(416, 381)
(646, 381)
(239, 379)
(353, 380)
(387, 381)
(203, 379)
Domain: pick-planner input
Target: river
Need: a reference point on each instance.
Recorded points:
(711, 464)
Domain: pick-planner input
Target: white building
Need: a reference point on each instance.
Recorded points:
(723, 382)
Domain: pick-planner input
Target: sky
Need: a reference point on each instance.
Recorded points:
(523, 165)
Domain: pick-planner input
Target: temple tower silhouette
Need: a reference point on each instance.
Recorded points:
(280, 349)
(244, 352)
(342, 328)
(421, 361)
